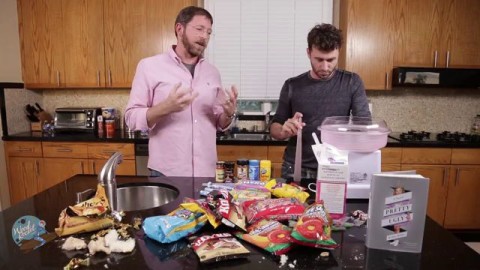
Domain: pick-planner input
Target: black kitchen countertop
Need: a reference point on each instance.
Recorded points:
(441, 249)
(137, 138)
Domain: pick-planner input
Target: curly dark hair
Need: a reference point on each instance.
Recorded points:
(325, 37)
(186, 15)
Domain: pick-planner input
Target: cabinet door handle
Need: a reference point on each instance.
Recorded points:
(457, 176)
(110, 77)
(64, 150)
(23, 149)
(448, 59)
(58, 78)
(94, 168)
(435, 58)
(83, 170)
(98, 77)
(386, 80)
(37, 169)
(445, 177)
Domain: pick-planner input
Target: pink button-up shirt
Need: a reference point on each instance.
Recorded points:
(181, 143)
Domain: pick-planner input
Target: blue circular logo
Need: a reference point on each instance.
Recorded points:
(26, 228)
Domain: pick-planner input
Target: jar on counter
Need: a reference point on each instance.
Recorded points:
(242, 169)
(220, 172)
(229, 168)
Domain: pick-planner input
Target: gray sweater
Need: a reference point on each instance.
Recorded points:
(317, 99)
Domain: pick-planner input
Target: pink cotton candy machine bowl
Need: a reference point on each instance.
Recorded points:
(353, 133)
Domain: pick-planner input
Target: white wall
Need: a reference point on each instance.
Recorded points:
(10, 71)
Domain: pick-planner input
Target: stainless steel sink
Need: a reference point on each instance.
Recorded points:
(247, 137)
(133, 197)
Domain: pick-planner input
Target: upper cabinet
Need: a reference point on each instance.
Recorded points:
(382, 34)
(41, 41)
(368, 28)
(437, 33)
(92, 43)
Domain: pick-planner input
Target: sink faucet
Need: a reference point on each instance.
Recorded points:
(106, 178)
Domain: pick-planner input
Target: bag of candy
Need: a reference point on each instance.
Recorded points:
(314, 228)
(218, 247)
(270, 235)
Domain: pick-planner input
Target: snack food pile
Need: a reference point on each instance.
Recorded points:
(257, 212)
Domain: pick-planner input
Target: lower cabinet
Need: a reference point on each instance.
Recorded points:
(24, 177)
(57, 170)
(36, 166)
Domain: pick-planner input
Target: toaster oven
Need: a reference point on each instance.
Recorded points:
(76, 119)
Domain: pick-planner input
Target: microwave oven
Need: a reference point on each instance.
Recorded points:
(76, 119)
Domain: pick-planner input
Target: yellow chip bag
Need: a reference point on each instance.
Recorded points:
(283, 190)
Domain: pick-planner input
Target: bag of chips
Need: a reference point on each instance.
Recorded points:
(313, 228)
(270, 235)
(278, 209)
(283, 190)
(187, 219)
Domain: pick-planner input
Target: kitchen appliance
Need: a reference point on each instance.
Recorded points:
(436, 77)
(76, 119)
(352, 133)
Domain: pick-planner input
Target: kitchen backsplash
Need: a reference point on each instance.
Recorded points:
(403, 109)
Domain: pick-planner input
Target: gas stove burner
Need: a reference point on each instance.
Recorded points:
(460, 137)
(413, 135)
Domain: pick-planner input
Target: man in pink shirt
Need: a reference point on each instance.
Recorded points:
(178, 97)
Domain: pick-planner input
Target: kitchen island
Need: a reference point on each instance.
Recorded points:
(441, 249)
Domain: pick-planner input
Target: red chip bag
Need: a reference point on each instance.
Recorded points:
(277, 209)
(313, 228)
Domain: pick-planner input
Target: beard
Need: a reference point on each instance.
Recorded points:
(324, 74)
(194, 48)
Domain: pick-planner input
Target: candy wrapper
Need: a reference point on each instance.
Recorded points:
(218, 247)
(283, 190)
(278, 209)
(187, 219)
(270, 235)
(314, 228)
(249, 190)
(86, 216)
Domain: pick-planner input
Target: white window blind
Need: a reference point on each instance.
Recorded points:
(258, 44)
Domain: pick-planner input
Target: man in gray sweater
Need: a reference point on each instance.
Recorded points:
(306, 100)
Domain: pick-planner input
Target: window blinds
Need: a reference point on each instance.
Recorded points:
(258, 44)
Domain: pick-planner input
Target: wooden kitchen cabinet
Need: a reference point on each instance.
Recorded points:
(134, 30)
(463, 190)
(41, 43)
(99, 153)
(275, 155)
(234, 152)
(437, 33)
(57, 170)
(433, 163)
(92, 43)
(24, 160)
(368, 29)
(24, 177)
(83, 39)
(391, 159)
